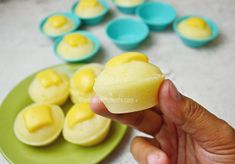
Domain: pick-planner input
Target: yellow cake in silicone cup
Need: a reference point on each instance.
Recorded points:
(82, 82)
(57, 25)
(39, 124)
(89, 8)
(83, 127)
(75, 46)
(129, 83)
(50, 87)
(194, 28)
(128, 3)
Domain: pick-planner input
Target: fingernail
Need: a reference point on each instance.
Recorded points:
(173, 92)
(152, 159)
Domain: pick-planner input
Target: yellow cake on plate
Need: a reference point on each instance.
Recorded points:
(83, 127)
(49, 87)
(39, 124)
(82, 82)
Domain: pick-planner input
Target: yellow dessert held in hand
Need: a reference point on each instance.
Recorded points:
(57, 25)
(49, 87)
(82, 82)
(83, 127)
(74, 46)
(89, 8)
(195, 28)
(39, 124)
(129, 83)
(128, 3)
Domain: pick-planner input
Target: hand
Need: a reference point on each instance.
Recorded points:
(182, 131)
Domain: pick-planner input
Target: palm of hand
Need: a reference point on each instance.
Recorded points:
(182, 148)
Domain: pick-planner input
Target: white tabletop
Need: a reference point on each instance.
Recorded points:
(206, 75)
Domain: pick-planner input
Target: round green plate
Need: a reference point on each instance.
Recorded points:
(59, 152)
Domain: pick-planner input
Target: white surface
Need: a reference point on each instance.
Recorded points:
(207, 75)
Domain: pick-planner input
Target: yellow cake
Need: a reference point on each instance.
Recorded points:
(57, 25)
(83, 127)
(50, 87)
(39, 124)
(128, 3)
(89, 8)
(74, 46)
(194, 28)
(129, 83)
(82, 82)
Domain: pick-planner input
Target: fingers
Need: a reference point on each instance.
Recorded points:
(146, 121)
(147, 151)
(191, 117)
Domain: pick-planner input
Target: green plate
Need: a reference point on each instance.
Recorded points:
(58, 152)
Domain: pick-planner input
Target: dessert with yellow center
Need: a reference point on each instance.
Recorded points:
(50, 87)
(82, 82)
(194, 28)
(57, 25)
(129, 83)
(89, 8)
(74, 46)
(39, 124)
(128, 3)
(83, 127)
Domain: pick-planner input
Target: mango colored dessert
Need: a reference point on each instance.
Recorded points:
(129, 83)
(128, 3)
(83, 127)
(75, 46)
(89, 8)
(49, 87)
(194, 28)
(39, 124)
(57, 25)
(82, 82)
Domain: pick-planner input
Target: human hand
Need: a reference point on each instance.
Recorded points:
(182, 131)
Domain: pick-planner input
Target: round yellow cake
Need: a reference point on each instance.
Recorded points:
(39, 124)
(129, 83)
(75, 46)
(83, 127)
(194, 28)
(57, 25)
(50, 87)
(82, 82)
(89, 8)
(128, 3)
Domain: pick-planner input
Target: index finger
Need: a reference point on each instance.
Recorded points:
(147, 121)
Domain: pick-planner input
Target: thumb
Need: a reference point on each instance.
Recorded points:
(191, 117)
(147, 150)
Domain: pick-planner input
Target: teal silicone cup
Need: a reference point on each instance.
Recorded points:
(71, 16)
(87, 57)
(196, 43)
(157, 15)
(127, 33)
(94, 20)
(127, 10)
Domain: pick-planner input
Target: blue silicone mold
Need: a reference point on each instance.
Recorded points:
(127, 33)
(157, 15)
